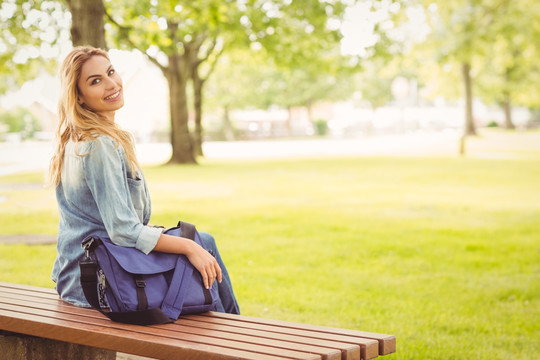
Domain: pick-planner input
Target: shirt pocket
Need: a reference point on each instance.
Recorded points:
(138, 196)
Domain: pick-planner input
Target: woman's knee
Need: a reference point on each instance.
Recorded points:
(209, 243)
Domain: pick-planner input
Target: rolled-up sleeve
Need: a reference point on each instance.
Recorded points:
(106, 173)
(148, 238)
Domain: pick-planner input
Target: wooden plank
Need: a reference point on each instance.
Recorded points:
(327, 349)
(348, 351)
(371, 342)
(33, 289)
(166, 331)
(369, 348)
(256, 335)
(188, 333)
(124, 341)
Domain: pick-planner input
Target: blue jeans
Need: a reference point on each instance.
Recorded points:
(227, 301)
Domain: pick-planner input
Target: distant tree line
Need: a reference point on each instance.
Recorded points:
(287, 53)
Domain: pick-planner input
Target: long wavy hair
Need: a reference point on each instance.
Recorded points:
(78, 122)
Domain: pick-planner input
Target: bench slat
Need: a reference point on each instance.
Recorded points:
(5, 286)
(369, 348)
(347, 345)
(327, 349)
(160, 335)
(39, 312)
(387, 343)
(349, 351)
(129, 342)
(190, 333)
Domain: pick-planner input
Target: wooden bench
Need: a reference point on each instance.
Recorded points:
(29, 313)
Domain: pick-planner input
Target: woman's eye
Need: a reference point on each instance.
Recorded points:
(111, 72)
(95, 81)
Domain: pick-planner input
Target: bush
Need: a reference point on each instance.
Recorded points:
(492, 124)
(321, 127)
(19, 120)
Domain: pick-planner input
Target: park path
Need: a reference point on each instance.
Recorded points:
(34, 155)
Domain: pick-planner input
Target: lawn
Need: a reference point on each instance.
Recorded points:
(443, 252)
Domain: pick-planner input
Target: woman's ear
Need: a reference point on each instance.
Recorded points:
(79, 100)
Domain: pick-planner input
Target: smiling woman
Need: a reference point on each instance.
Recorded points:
(100, 87)
(100, 188)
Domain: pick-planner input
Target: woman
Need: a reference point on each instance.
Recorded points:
(100, 188)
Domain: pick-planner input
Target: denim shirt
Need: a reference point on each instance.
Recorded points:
(98, 195)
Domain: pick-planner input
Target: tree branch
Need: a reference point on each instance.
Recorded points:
(124, 30)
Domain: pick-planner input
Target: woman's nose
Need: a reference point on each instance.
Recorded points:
(110, 83)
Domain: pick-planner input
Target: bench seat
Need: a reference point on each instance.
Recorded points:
(38, 312)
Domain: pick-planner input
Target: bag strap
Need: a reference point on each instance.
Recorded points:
(171, 298)
(89, 285)
(188, 231)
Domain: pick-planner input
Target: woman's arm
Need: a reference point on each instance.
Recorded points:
(107, 179)
(117, 194)
(201, 259)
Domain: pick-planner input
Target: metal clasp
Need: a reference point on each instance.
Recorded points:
(87, 245)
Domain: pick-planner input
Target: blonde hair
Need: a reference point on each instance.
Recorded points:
(77, 122)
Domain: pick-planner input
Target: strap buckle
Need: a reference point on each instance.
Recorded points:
(87, 246)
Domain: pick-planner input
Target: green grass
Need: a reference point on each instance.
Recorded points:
(443, 253)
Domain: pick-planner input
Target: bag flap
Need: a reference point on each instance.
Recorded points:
(136, 262)
(174, 231)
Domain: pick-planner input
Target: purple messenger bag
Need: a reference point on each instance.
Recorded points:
(144, 289)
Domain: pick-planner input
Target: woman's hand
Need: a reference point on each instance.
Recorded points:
(201, 259)
(206, 264)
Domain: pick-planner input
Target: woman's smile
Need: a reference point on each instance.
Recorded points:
(113, 97)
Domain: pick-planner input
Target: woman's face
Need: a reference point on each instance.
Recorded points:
(100, 87)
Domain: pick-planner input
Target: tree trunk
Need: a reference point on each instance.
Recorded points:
(289, 121)
(470, 128)
(197, 98)
(87, 24)
(507, 106)
(507, 100)
(227, 125)
(182, 147)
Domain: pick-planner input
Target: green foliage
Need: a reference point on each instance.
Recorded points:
(441, 252)
(19, 120)
(510, 70)
(492, 124)
(296, 34)
(31, 36)
(246, 79)
(321, 127)
(374, 83)
(495, 37)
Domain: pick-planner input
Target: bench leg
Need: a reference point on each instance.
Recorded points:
(22, 347)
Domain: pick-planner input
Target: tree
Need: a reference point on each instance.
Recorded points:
(34, 33)
(31, 38)
(493, 43)
(459, 34)
(510, 72)
(87, 24)
(297, 47)
(242, 79)
(170, 34)
(210, 56)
